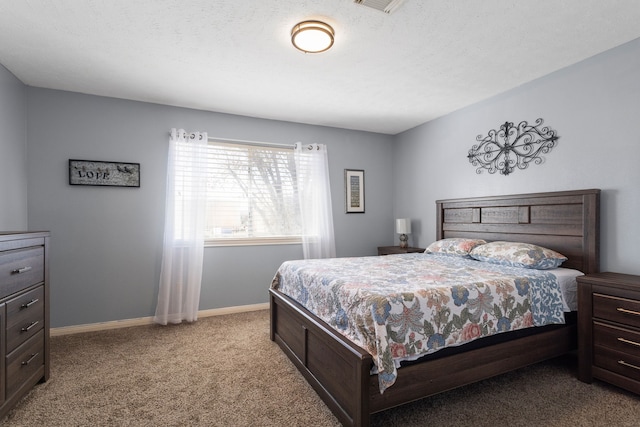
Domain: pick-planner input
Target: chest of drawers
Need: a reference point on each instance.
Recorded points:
(609, 329)
(24, 315)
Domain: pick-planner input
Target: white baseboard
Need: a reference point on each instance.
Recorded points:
(115, 324)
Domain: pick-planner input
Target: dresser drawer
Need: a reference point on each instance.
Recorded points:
(24, 362)
(24, 311)
(621, 363)
(616, 338)
(25, 317)
(20, 269)
(616, 309)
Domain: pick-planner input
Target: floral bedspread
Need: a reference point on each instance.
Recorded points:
(401, 307)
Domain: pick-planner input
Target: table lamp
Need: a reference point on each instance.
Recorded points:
(403, 227)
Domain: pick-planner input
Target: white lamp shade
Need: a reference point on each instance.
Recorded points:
(403, 226)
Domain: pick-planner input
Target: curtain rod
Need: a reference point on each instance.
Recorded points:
(246, 142)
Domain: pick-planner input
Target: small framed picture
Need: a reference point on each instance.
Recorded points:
(98, 173)
(354, 190)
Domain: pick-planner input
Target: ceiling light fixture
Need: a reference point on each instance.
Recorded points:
(312, 36)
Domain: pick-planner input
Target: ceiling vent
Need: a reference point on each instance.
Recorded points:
(386, 6)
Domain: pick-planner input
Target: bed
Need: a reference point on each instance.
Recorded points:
(341, 371)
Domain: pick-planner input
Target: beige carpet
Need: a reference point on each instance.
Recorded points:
(224, 371)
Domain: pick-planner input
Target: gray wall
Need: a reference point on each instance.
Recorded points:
(13, 153)
(595, 108)
(107, 241)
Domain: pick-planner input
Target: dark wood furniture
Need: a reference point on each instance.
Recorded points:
(339, 371)
(609, 329)
(24, 315)
(389, 250)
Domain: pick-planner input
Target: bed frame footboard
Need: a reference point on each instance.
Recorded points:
(338, 370)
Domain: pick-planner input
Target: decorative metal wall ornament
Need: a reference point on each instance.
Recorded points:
(512, 147)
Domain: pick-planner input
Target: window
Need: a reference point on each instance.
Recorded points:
(251, 194)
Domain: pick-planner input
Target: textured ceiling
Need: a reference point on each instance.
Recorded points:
(385, 73)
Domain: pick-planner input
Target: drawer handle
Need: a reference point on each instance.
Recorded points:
(629, 365)
(30, 303)
(625, 311)
(629, 342)
(30, 326)
(33, 356)
(21, 270)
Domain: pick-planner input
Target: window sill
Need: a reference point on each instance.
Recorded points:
(265, 241)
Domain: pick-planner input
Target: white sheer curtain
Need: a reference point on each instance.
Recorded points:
(183, 248)
(314, 192)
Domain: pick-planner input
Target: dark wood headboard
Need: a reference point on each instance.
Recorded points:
(565, 221)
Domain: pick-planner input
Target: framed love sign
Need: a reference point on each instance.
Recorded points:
(100, 173)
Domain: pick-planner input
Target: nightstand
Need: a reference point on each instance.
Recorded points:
(388, 250)
(609, 329)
